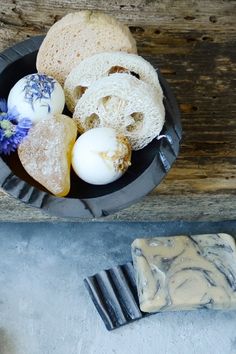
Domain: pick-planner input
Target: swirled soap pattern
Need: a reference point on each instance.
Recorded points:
(185, 272)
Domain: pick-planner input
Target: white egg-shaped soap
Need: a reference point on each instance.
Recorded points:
(101, 156)
(36, 96)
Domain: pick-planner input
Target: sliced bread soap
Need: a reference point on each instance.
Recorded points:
(185, 272)
(124, 103)
(77, 36)
(46, 153)
(105, 64)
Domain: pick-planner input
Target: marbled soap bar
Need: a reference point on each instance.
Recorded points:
(185, 272)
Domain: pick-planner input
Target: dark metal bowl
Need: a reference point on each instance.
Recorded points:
(149, 165)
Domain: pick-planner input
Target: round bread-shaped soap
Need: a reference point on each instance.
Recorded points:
(79, 35)
(36, 97)
(101, 156)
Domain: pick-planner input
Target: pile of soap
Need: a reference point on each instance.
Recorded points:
(88, 61)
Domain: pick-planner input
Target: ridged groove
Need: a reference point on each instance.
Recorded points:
(114, 294)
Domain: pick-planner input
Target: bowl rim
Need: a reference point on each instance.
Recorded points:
(87, 208)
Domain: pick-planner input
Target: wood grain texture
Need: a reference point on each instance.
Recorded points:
(193, 44)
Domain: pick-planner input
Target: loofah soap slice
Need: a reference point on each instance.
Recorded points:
(124, 103)
(46, 153)
(105, 64)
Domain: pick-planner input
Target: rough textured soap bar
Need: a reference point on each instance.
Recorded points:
(185, 273)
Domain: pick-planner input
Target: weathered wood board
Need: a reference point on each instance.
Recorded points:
(193, 43)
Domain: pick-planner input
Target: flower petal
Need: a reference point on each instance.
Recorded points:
(3, 105)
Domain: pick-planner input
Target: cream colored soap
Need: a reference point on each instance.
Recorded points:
(37, 97)
(101, 156)
(185, 273)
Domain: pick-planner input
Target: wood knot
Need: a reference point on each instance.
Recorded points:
(189, 18)
(213, 19)
(136, 29)
(207, 38)
(188, 108)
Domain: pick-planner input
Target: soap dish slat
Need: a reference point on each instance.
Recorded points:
(114, 294)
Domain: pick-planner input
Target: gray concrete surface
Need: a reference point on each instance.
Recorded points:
(44, 307)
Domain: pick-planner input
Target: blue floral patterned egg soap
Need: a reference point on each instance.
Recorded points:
(36, 96)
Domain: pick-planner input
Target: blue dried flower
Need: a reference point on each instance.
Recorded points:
(38, 87)
(12, 132)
